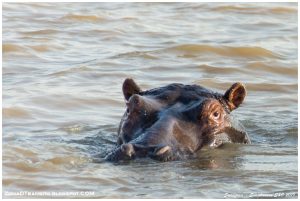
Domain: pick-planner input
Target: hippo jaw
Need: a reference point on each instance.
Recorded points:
(169, 122)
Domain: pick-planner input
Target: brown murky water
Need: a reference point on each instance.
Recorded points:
(63, 66)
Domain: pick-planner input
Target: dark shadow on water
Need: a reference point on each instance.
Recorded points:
(96, 145)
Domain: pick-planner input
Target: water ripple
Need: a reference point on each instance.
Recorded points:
(191, 50)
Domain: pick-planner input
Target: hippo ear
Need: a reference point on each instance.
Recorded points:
(130, 88)
(235, 95)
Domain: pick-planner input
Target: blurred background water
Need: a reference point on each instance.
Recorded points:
(63, 65)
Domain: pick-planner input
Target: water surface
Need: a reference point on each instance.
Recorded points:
(63, 68)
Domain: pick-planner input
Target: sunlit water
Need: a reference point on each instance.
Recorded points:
(63, 67)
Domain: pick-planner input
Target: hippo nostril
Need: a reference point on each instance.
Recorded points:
(127, 149)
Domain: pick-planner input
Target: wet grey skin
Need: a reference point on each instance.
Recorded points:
(175, 121)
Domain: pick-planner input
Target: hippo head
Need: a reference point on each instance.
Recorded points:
(176, 120)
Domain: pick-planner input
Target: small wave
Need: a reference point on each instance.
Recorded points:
(74, 129)
(21, 165)
(29, 50)
(7, 182)
(52, 164)
(192, 50)
(203, 68)
(40, 32)
(218, 70)
(213, 83)
(255, 10)
(141, 54)
(68, 160)
(283, 10)
(234, 8)
(129, 18)
(103, 32)
(40, 48)
(87, 18)
(71, 70)
(272, 87)
(7, 48)
(65, 102)
(29, 159)
(22, 152)
(282, 70)
(77, 128)
(15, 112)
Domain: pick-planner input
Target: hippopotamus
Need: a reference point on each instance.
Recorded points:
(175, 121)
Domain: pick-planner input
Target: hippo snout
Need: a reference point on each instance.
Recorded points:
(123, 152)
(128, 150)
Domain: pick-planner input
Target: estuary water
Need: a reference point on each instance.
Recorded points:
(63, 65)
